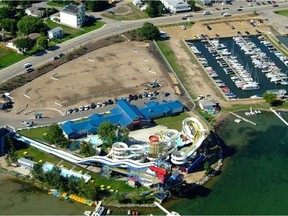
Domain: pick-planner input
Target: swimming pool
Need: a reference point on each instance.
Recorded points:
(95, 140)
(47, 167)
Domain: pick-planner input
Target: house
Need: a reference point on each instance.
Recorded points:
(207, 104)
(137, 3)
(73, 15)
(55, 33)
(5, 102)
(34, 11)
(125, 114)
(25, 163)
(176, 6)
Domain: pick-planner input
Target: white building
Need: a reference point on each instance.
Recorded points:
(34, 11)
(55, 33)
(175, 6)
(137, 3)
(73, 15)
(207, 104)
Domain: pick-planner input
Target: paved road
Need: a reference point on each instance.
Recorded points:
(112, 29)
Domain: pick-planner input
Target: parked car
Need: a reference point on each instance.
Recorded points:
(69, 111)
(75, 110)
(27, 65)
(239, 9)
(55, 57)
(110, 101)
(81, 108)
(61, 55)
(87, 107)
(28, 70)
(166, 94)
(93, 105)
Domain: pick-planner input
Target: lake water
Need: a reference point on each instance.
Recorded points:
(21, 198)
(253, 181)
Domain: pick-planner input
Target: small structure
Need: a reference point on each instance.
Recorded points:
(73, 15)
(176, 6)
(138, 3)
(25, 163)
(55, 33)
(207, 104)
(34, 11)
(3, 147)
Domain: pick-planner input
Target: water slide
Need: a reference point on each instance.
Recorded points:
(195, 132)
(112, 162)
(75, 159)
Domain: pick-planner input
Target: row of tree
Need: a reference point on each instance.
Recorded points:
(93, 5)
(71, 185)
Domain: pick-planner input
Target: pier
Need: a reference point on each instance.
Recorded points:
(279, 116)
(166, 211)
(244, 119)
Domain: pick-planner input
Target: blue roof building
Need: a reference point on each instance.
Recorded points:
(125, 114)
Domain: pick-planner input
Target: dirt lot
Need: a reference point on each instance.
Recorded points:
(201, 84)
(109, 72)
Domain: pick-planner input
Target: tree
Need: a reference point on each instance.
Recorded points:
(55, 136)
(11, 149)
(107, 132)
(5, 12)
(42, 42)
(87, 149)
(97, 5)
(149, 31)
(122, 134)
(192, 4)
(38, 172)
(29, 24)
(154, 9)
(24, 44)
(207, 167)
(9, 25)
(270, 98)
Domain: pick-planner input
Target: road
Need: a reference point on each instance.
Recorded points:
(111, 28)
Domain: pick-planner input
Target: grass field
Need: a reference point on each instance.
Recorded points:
(70, 33)
(282, 12)
(134, 15)
(9, 57)
(35, 133)
(172, 122)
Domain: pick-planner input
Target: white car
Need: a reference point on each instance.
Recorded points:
(27, 65)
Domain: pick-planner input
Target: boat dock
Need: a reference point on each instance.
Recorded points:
(279, 116)
(165, 210)
(244, 119)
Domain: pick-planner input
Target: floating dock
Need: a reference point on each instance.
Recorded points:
(280, 117)
(244, 119)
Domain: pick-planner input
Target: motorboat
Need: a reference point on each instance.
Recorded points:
(250, 86)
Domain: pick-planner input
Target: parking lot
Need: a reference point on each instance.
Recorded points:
(121, 70)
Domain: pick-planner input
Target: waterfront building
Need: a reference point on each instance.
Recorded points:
(125, 114)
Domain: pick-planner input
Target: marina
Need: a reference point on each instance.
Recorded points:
(242, 66)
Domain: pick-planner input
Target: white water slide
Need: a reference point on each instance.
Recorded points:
(197, 134)
(75, 159)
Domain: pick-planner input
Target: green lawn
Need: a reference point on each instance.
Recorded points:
(135, 14)
(70, 33)
(282, 12)
(35, 133)
(9, 57)
(172, 122)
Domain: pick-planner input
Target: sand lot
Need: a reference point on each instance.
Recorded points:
(109, 72)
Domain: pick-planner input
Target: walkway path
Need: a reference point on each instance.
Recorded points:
(279, 116)
(244, 119)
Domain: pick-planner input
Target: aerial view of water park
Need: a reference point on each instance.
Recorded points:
(144, 108)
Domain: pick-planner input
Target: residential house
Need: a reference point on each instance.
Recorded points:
(25, 163)
(34, 11)
(176, 6)
(55, 33)
(73, 15)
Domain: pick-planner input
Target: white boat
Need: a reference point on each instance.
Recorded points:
(250, 86)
